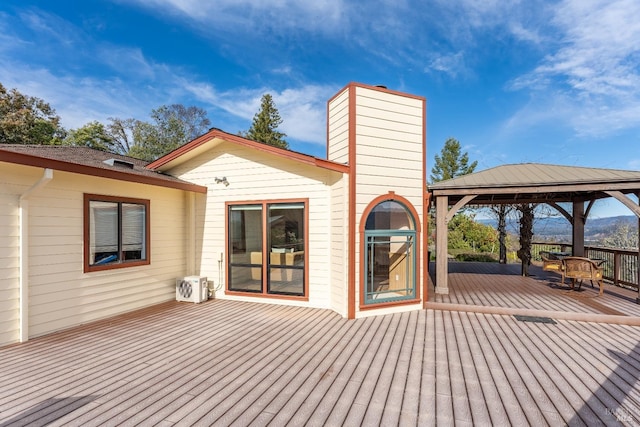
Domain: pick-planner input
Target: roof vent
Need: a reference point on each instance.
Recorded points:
(118, 162)
(381, 86)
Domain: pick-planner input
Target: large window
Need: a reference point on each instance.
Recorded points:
(116, 232)
(389, 254)
(267, 248)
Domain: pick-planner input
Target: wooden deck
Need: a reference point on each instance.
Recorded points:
(234, 363)
(500, 289)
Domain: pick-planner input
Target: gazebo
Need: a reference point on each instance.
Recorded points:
(531, 183)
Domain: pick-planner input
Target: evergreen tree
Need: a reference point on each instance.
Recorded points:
(265, 125)
(451, 163)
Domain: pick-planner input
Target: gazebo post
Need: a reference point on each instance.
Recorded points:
(578, 228)
(638, 259)
(442, 273)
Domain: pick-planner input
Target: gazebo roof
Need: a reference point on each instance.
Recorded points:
(537, 183)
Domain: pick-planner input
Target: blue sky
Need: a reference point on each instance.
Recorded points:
(514, 81)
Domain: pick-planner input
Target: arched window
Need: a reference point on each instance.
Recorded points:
(389, 254)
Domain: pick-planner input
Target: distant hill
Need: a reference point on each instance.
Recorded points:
(559, 227)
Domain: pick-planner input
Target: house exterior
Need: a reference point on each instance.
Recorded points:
(50, 276)
(345, 233)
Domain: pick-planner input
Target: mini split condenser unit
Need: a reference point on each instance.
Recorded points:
(192, 289)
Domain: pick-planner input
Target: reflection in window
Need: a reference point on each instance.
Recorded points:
(117, 231)
(286, 240)
(278, 270)
(245, 251)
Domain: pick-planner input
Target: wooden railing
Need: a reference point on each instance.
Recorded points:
(620, 266)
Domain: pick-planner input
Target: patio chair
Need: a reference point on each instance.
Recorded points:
(550, 263)
(579, 269)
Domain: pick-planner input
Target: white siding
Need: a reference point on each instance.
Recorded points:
(256, 176)
(338, 116)
(61, 294)
(389, 155)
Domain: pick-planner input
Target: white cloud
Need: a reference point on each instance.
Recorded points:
(452, 65)
(78, 100)
(127, 61)
(303, 109)
(50, 28)
(591, 69)
(130, 84)
(305, 112)
(256, 15)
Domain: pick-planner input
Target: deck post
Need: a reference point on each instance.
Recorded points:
(442, 205)
(638, 259)
(578, 228)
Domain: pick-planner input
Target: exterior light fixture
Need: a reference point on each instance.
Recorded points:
(222, 180)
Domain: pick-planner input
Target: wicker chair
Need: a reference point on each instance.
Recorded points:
(550, 263)
(579, 269)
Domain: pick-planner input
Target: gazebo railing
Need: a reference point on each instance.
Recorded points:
(620, 266)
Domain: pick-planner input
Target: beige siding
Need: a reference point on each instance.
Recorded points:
(61, 294)
(256, 176)
(14, 181)
(389, 156)
(9, 256)
(338, 116)
(339, 245)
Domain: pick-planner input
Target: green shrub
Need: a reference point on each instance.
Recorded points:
(477, 257)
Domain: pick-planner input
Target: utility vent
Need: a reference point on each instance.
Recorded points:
(118, 162)
(535, 319)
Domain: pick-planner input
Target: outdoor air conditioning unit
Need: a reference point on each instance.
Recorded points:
(192, 289)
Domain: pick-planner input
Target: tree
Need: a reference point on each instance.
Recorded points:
(185, 122)
(466, 233)
(151, 142)
(451, 163)
(623, 235)
(501, 212)
(265, 125)
(93, 135)
(27, 120)
(121, 130)
(172, 126)
(526, 235)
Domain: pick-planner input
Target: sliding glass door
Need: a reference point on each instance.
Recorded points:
(267, 248)
(245, 248)
(287, 246)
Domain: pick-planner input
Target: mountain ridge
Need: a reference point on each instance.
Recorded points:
(559, 226)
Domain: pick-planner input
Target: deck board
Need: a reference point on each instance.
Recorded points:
(236, 363)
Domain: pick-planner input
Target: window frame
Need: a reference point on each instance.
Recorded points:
(88, 198)
(416, 253)
(266, 265)
(411, 238)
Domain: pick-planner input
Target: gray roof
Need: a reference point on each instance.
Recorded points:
(528, 174)
(536, 182)
(88, 161)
